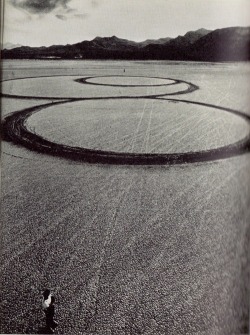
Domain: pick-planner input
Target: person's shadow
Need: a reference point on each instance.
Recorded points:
(44, 330)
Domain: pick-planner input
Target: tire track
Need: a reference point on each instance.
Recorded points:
(85, 81)
(190, 88)
(14, 129)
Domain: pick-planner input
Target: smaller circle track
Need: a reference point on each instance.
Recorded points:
(67, 88)
(88, 81)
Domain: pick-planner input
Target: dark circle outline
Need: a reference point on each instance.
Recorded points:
(191, 88)
(85, 81)
(14, 129)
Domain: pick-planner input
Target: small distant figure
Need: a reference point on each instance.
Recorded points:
(46, 299)
(51, 324)
(124, 70)
(49, 310)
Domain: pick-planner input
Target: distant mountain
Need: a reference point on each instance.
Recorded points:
(228, 44)
(176, 48)
(190, 37)
(159, 41)
(113, 43)
(10, 46)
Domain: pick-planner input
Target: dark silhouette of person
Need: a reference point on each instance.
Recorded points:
(46, 294)
(50, 313)
(46, 299)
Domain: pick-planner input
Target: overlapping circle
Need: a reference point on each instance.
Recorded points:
(67, 87)
(135, 82)
(15, 129)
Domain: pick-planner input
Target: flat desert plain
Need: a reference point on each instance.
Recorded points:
(147, 230)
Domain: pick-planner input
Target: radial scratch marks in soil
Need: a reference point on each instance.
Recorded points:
(147, 134)
(15, 129)
(138, 127)
(92, 309)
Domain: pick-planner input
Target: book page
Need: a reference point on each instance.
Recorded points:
(125, 167)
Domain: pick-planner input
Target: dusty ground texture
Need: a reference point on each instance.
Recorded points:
(128, 249)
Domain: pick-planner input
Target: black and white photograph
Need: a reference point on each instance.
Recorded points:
(125, 167)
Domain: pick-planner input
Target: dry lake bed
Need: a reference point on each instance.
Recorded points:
(125, 190)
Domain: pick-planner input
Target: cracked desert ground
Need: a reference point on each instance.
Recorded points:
(127, 249)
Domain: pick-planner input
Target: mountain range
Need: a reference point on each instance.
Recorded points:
(227, 44)
(9, 45)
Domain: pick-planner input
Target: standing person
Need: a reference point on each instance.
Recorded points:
(50, 313)
(46, 299)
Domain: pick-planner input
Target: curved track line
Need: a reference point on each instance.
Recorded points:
(85, 81)
(36, 77)
(191, 88)
(14, 129)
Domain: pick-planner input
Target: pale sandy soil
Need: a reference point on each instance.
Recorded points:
(128, 249)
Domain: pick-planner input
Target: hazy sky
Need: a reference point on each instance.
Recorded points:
(47, 22)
